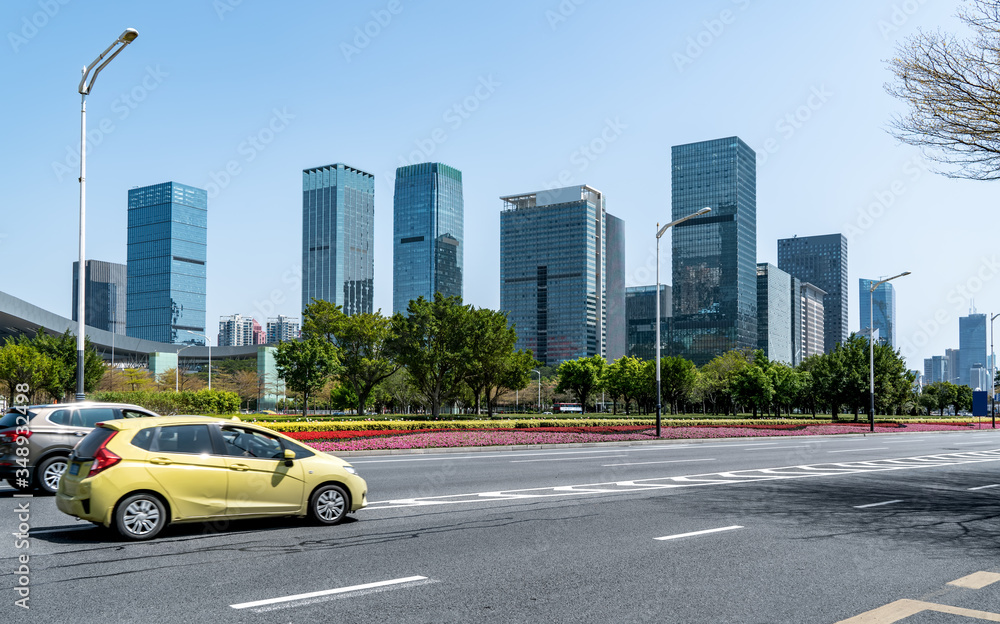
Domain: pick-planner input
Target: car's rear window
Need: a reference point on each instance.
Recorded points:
(9, 419)
(90, 416)
(91, 442)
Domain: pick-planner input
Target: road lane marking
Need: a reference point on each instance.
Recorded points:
(984, 487)
(528, 461)
(892, 502)
(901, 609)
(327, 592)
(504, 456)
(693, 533)
(968, 443)
(778, 448)
(667, 461)
(977, 580)
(874, 448)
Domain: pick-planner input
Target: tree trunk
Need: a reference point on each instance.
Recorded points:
(305, 405)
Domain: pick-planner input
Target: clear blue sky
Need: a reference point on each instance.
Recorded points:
(534, 83)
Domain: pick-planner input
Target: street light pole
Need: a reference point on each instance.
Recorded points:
(535, 370)
(871, 348)
(177, 368)
(86, 85)
(993, 375)
(660, 232)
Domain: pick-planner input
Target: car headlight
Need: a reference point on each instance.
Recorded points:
(351, 469)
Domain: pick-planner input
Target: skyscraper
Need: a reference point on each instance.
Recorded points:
(338, 237)
(105, 290)
(167, 243)
(714, 255)
(821, 261)
(883, 300)
(553, 272)
(951, 355)
(614, 310)
(282, 329)
(640, 315)
(813, 320)
(971, 346)
(935, 369)
(428, 233)
(774, 313)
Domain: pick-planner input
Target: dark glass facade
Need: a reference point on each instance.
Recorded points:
(640, 314)
(883, 303)
(971, 346)
(552, 272)
(614, 309)
(167, 245)
(821, 261)
(105, 301)
(428, 233)
(714, 255)
(935, 369)
(774, 313)
(338, 237)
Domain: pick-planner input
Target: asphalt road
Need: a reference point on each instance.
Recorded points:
(794, 529)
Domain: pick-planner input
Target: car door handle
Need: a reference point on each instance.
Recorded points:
(163, 461)
(240, 467)
(79, 434)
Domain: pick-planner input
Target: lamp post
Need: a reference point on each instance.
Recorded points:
(993, 375)
(539, 373)
(660, 232)
(177, 376)
(86, 84)
(871, 348)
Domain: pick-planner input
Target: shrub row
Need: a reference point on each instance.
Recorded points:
(201, 402)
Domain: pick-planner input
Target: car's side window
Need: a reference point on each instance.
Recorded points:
(182, 439)
(144, 438)
(247, 443)
(90, 416)
(61, 417)
(131, 413)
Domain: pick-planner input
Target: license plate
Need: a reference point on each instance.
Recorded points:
(74, 469)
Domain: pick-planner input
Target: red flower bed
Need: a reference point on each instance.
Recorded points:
(343, 435)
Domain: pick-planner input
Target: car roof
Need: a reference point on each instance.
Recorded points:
(85, 404)
(158, 421)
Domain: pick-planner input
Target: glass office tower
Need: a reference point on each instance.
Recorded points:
(883, 303)
(774, 313)
(714, 255)
(971, 346)
(428, 231)
(106, 285)
(167, 246)
(338, 237)
(821, 261)
(553, 272)
(640, 315)
(614, 309)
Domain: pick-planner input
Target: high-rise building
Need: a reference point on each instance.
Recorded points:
(640, 314)
(338, 237)
(167, 245)
(428, 233)
(979, 377)
(821, 261)
(971, 346)
(812, 320)
(936, 369)
(614, 310)
(774, 313)
(238, 331)
(282, 329)
(883, 302)
(952, 356)
(714, 255)
(104, 294)
(796, 321)
(553, 272)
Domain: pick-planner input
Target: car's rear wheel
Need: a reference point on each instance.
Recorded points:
(140, 516)
(49, 472)
(329, 504)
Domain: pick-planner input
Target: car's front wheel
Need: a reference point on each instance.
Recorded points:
(49, 472)
(140, 516)
(329, 504)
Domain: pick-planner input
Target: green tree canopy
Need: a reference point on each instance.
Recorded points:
(581, 377)
(306, 366)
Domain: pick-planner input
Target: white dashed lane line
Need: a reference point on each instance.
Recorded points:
(694, 533)
(891, 502)
(874, 448)
(667, 461)
(328, 592)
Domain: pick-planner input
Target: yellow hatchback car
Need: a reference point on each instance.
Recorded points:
(138, 475)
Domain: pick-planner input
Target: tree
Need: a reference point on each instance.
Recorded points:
(62, 350)
(245, 383)
(494, 366)
(27, 371)
(136, 379)
(306, 366)
(513, 373)
(431, 343)
(581, 377)
(399, 390)
(752, 386)
(962, 399)
(619, 381)
(719, 375)
(364, 342)
(952, 89)
(677, 377)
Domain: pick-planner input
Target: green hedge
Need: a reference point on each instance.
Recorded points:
(200, 402)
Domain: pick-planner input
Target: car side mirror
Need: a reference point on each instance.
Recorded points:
(289, 456)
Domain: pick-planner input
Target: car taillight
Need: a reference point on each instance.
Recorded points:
(12, 436)
(103, 458)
